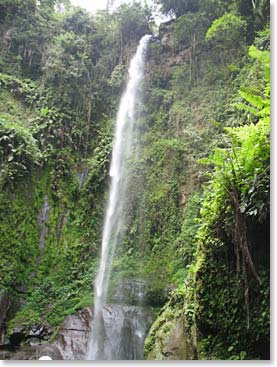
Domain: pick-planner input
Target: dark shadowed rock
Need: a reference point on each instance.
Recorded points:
(8, 306)
(18, 335)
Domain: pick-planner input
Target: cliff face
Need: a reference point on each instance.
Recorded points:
(199, 237)
(70, 341)
(48, 251)
(64, 199)
(169, 337)
(194, 107)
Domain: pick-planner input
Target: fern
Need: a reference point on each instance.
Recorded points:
(253, 103)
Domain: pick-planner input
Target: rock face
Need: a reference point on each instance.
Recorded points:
(4, 307)
(70, 342)
(125, 330)
(133, 292)
(82, 175)
(8, 307)
(127, 319)
(163, 55)
(168, 338)
(42, 221)
(137, 292)
(74, 334)
(125, 322)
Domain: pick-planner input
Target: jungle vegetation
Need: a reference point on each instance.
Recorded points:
(202, 229)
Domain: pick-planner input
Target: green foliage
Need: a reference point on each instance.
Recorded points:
(189, 29)
(185, 245)
(263, 57)
(118, 76)
(255, 103)
(50, 302)
(262, 41)
(27, 26)
(61, 80)
(236, 200)
(227, 305)
(227, 30)
(22, 89)
(19, 150)
(66, 68)
(179, 7)
(132, 22)
(216, 8)
(98, 163)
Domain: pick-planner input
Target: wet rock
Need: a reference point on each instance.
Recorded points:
(18, 335)
(4, 307)
(5, 354)
(22, 334)
(37, 331)
(168, 56)
(8, 307)
(61, 223)
(36, 352)
(81, 176)
(125, 328)
(130, 291)
(34, 342)
(42, 220)
(73, 335)
(137, 292)
(176, 345)
(166, 41)
(70, 343)
(169, 339)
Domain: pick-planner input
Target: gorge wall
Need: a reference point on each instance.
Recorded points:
(198, 241)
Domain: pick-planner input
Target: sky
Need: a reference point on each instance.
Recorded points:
(93, 5)
(90, 5)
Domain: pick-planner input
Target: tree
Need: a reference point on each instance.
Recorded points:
(132, 22)
(227, 33)
(27, 27)
(179, 7)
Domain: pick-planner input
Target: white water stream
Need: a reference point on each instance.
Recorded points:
(114, 218)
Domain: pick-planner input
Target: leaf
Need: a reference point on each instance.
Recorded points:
(4, 137)
(243, 207)
(44, 111)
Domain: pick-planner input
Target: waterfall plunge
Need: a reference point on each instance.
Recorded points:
(114, 218)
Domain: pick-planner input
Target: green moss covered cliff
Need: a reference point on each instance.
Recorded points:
(200, 234)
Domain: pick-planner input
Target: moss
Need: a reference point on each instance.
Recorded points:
(19, 239)
(57, 278)
(169, 336)
(190, 96)
(9, 105)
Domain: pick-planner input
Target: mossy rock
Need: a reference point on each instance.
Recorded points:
(168, 338)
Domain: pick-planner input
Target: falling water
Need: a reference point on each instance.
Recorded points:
(114, 219)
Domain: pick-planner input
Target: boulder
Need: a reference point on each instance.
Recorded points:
(73, 335)
(70, 343)
(18, 335)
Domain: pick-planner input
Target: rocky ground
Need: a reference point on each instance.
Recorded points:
(31, 344)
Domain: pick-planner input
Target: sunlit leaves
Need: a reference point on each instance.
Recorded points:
(227, 30)
(18, 149)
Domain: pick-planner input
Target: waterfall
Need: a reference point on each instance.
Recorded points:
(114, 217)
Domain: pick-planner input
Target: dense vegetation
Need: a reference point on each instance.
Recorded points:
(200, 235)
(56, 71)
(224, 122)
